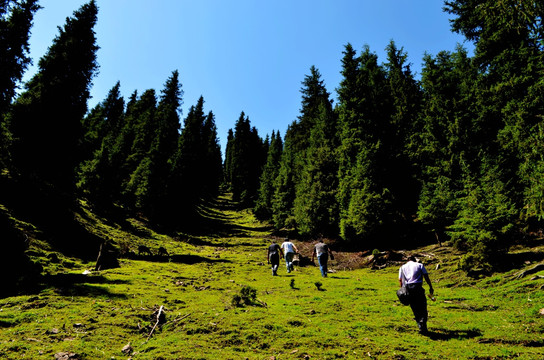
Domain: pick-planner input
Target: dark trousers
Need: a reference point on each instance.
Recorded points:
(275, 262)
(418, 303)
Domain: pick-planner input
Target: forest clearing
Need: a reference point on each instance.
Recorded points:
(205, 313)
(128, 230)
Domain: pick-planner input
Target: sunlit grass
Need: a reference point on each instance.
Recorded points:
(352, 315)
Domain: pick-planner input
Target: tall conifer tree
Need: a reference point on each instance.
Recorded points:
(263, 205)
(46, 118)
(15, 23)
(315, 209)
(363, 119)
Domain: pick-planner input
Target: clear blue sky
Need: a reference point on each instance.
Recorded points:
(243, 55)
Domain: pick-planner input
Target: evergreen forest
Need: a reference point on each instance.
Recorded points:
(452, 155)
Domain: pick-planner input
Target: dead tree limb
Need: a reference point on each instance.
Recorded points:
(532, 270)
(157, 323)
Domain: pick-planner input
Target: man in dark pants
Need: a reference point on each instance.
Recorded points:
(273, 256)
(411, 275)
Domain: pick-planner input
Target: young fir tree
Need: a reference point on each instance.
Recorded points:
(314, 207)
(228, 159)
(263, 205)
(246, 162)
(154, 169)
(445, 138)
(364, 113)
(213, 171)
(142, 123)
(315, 204)
(185, 185)
(103, 121)
(46, 118)
(399, 141)
(284, 183)
(97, 174)
(297, 140)
(15, 23)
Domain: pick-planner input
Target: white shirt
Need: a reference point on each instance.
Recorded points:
(412, 273)
(287, 247)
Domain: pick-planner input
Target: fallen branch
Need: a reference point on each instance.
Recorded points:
(181, 318)
(532, 270)
(157, 323)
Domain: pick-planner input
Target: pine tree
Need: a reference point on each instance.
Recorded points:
(400, 174)
(155, 168)
(315, 209)
(447, 142)
(509, 44)
(315, 204)
(142, 124)
(46, 118)
(104, 121)
(186, 179)
(365, 204)
(97, 174)
(228, 159)
(213, 171)
(15, 23)
(246, 161)
(263, 205)
(284, 184)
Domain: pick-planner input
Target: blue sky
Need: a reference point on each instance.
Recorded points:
(243, 55)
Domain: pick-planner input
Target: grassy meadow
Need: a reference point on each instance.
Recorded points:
(202, 289)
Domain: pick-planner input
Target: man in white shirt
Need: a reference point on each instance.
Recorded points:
(289, 250)
(411, 275)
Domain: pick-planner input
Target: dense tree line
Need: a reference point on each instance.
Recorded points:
(138, 155)
(455, 155)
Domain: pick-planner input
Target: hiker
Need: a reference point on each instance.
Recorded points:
(411, 275)
(289, 251)
(273, 257)
(322, 251)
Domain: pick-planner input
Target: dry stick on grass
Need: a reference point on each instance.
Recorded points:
(181, 318)
(157, 323)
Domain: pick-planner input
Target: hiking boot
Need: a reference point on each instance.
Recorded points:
(422, 328)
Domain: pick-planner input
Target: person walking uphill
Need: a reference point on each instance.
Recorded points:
(322, 251)
(411, 275)
(289, 250)
(273, 257)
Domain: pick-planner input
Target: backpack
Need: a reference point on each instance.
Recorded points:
(403, 295)
(402, 292)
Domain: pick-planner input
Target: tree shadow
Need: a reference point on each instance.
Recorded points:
(179, 259)
(512, 261)
(79, 285)
(445, 334)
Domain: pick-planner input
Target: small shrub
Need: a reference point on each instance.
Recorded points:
(247, 296)
(318, 285)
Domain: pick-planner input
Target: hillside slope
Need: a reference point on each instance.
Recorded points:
(213, 297)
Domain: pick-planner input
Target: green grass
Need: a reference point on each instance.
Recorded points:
(355, 315)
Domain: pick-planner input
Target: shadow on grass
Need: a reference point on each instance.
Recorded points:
(81, 285)
(445, 334)
(178, 259)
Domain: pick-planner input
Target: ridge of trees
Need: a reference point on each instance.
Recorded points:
(455, 155)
